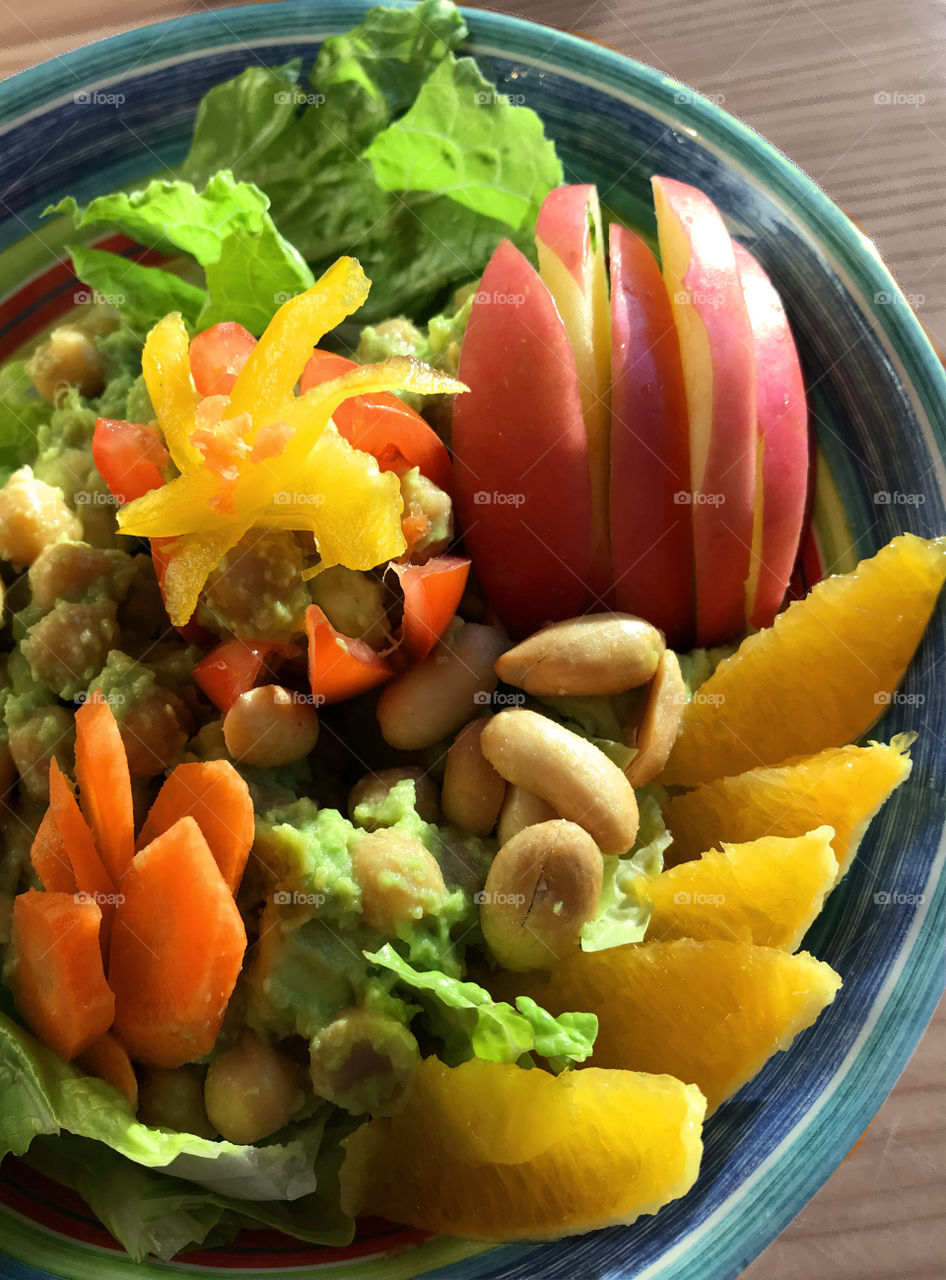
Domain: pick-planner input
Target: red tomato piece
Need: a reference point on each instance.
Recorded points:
(340, 666)
(229, 670)
(432, 592)
(381, 424)
(130, 457)
(217, 355)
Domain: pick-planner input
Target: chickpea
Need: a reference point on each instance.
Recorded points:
(154, 732)
(174, 1099)
(362, 1061)
(69, 358)
(269, 726)
(66, 571)
(542, 888)
(251, 1090)
(142, 614)
(374, 787)
(400, 881)
(49, 732)
(33, 516)
(258, 589)
(70, 645)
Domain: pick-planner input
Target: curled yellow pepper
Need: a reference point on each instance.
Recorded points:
(266, 458)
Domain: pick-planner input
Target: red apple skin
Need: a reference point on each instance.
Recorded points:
(523, 491)
(717, 354)
(782, 440)
(651, 534)
(570, 247)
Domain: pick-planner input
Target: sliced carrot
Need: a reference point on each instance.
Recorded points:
(57, 976)
(50, 859)
(108, 1059)
(91, 877)
(217, 798)
(105, 784)
(177, 949)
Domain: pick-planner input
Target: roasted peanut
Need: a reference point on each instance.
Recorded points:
(436, 697)
(472, 792)
(577, 780)
(269, 726)
(521, 809)
(373, 787)
(251, 1090)
(542, 888)
(660, 724)
(399, 880)
(601, 653)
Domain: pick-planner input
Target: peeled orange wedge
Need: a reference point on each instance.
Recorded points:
(820, 675)
(767, 891)
(842, 786)
(708, 1012)
(611, 1146)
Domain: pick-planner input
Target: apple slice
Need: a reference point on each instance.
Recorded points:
(570, 245)
(520, 451)
(782, 442)
(651, 535)
(718, 358)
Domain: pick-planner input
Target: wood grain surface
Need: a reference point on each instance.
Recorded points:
(855, 92)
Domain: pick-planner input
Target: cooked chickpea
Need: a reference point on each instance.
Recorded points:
(70, 644)
(400, 881)
(49, 732)
(258, 589)
(33, 516)
(269, 726)
(362, 1061)
(68, 358)
(154, 732)
(251, 1090)
(174, 1099)
(66, 571)
(542, 888)
(374, 787)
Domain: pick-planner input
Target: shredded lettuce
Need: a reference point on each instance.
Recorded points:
(41, 1094)
(471, 1024)
(22, 413)
(140, 293)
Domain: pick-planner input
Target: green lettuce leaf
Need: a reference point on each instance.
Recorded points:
(472, 1024)
(41, 1094)
(226, 228)
(22, 413)
(143, 294)
(623, 914)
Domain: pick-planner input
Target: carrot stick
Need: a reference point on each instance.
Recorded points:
(50, 859)
(177, 949)
(57, 976)
(105, 784)
(217, 798)
(91, 877)
(108, 1059)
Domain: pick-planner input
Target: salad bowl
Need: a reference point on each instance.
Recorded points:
(118, 111)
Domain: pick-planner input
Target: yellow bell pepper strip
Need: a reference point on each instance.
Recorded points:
(275, 364)
(265, 458)
(166, 369)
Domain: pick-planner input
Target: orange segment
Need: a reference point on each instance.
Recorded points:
(820, 675)
(709, 1013)
(629, 1145)
(767, 891)
(842, 786)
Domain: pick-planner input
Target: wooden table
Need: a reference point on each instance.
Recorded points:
(853, 91)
